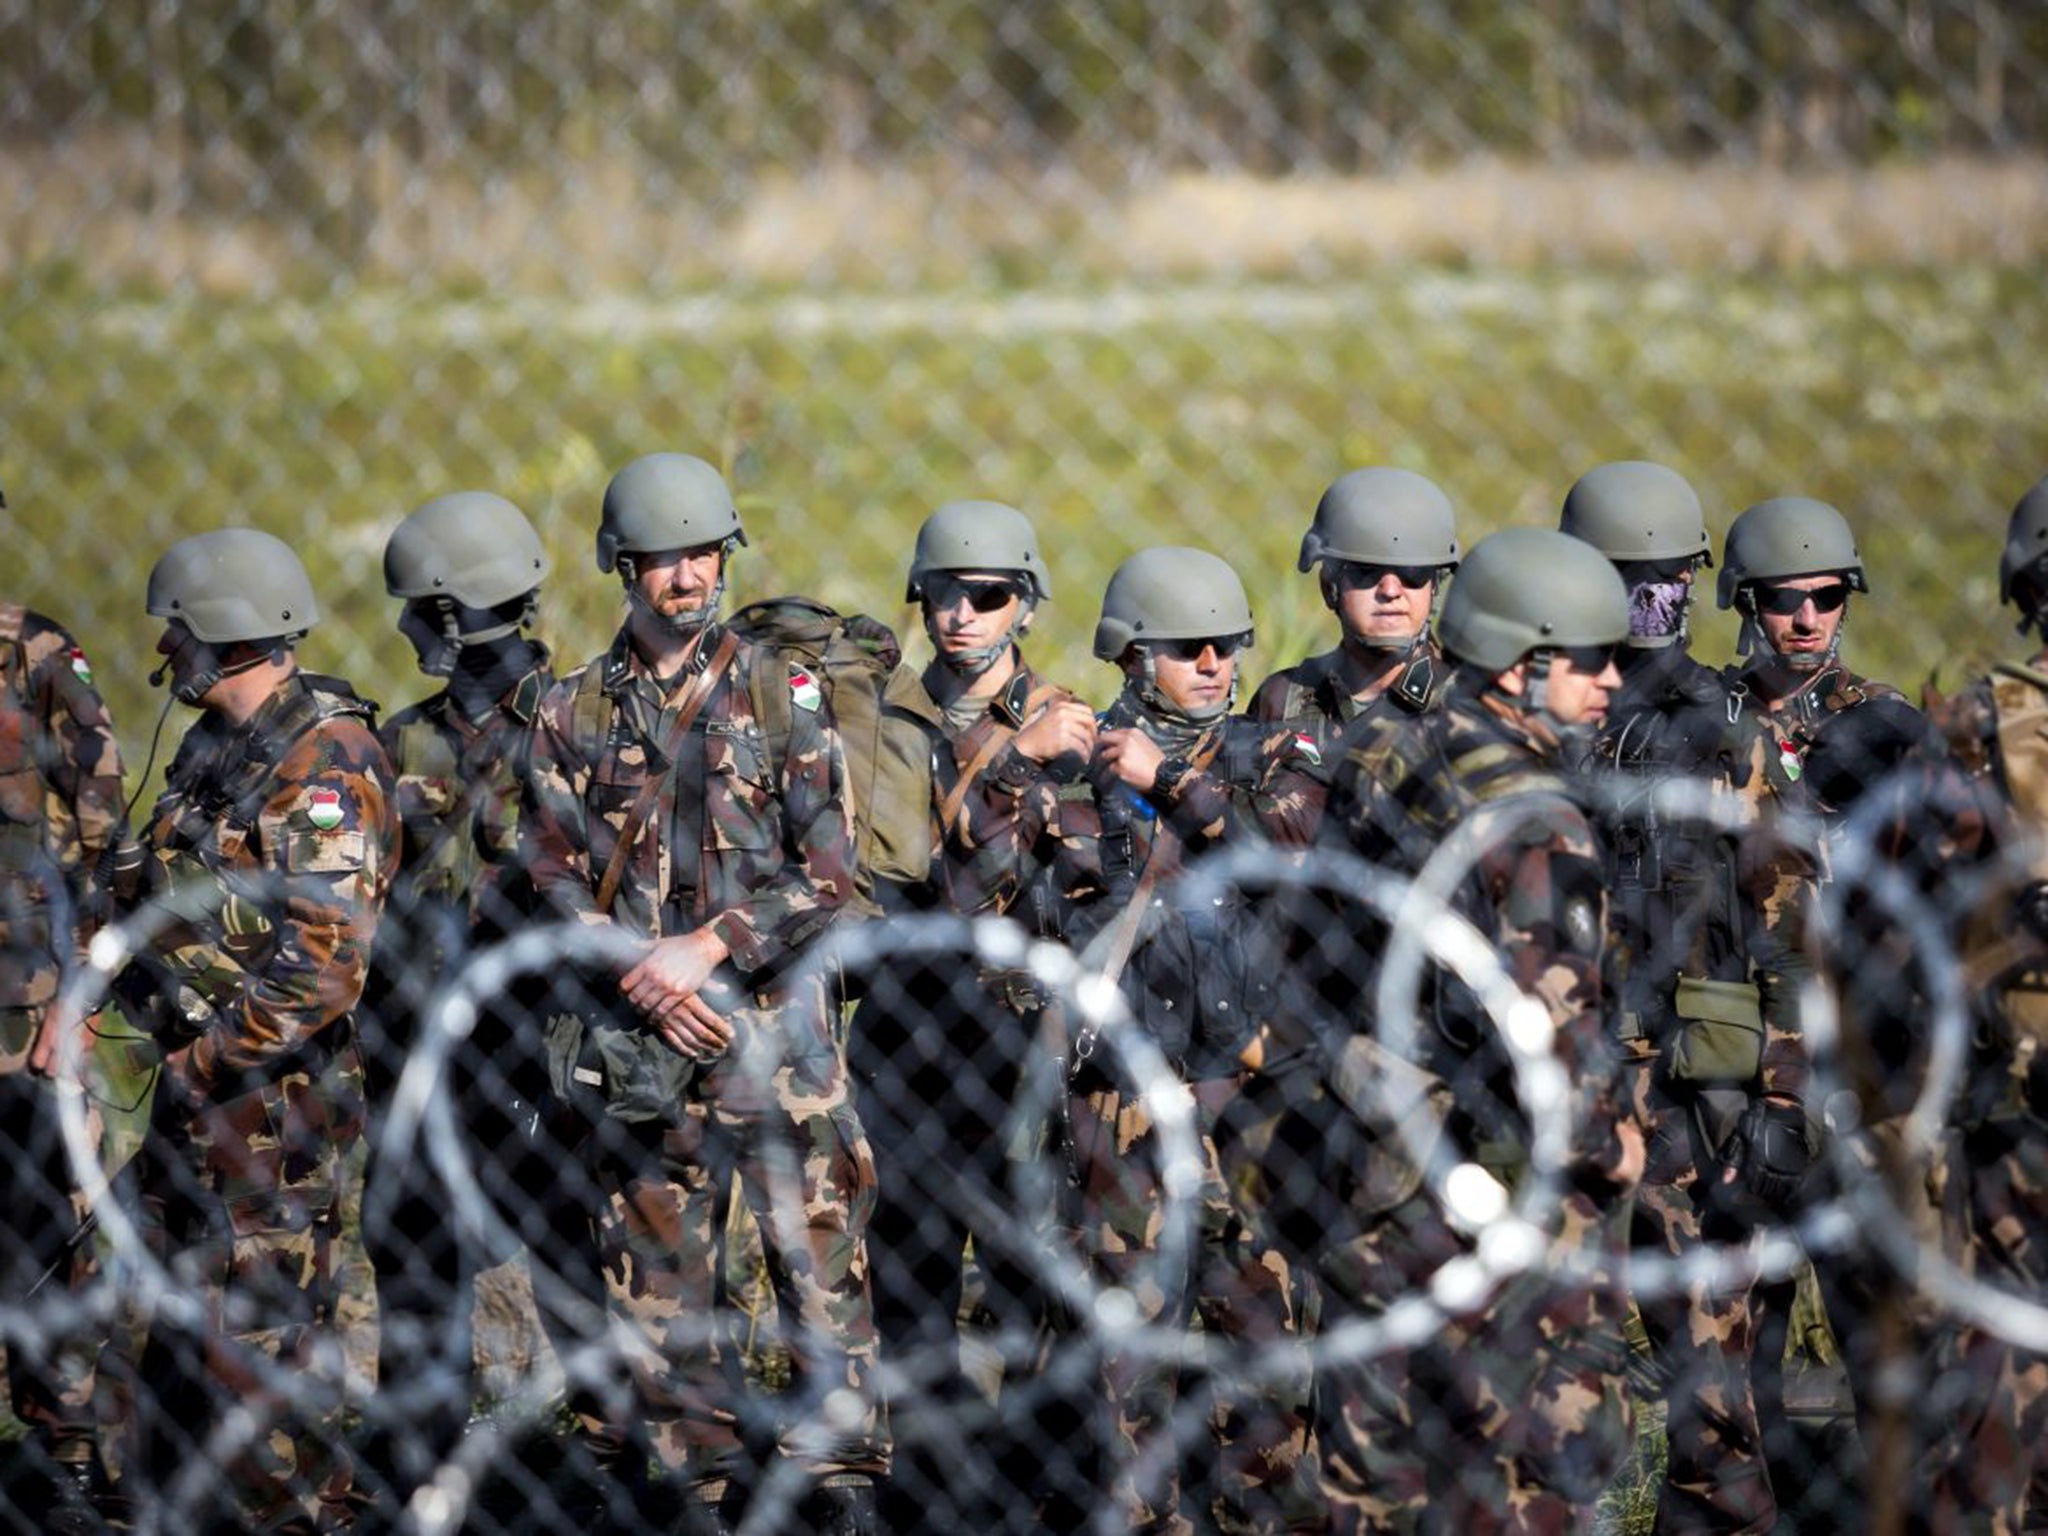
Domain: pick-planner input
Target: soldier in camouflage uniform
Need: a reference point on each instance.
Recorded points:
(1705, 979)
(60, 817)
(1994, 1468)
(939, 1051)
(1514, 1415)
(1175, 778)
(269, 854)
(1382, 542)
(660, 802)
(468, 569)
(1788, 568)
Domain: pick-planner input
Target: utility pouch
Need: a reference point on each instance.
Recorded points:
(607, 1070)
(1720, 1035)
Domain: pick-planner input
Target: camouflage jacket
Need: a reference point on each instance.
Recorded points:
(60, 812)
(1319, 699)
(1536, 889)
(749, 838)
(460, 777)
(273, 847)
(1078, 847)
(1692, 898)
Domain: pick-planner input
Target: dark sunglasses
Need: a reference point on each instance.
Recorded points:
(1636, 571)
(942, 592)
(1352, 576)
(1591, 660)
(1783, 602)
(1225, 647)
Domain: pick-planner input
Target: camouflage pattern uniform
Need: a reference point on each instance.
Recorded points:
(940, 1052)
(461, 765)
(1513, 1417)
(1772, 737)
(1992, 1470)
(1189, 984)
(60, 813)
(755, 845)
(273, 844)
(1694, 905)
(1323, 696)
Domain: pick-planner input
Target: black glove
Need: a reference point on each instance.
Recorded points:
(1769, 1153)
(147, 991)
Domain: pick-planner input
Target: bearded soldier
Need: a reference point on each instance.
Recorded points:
(940, 1051)
(468, 569)
(1513, 1412)
(662, 804)
(61, 820)
(1705, 979)
(269, 856)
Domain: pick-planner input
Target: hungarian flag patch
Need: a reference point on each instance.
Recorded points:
(1305, 747)
(80, 667)
(804, 691)
(323, 809)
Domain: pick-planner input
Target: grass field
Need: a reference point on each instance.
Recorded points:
(1116, 417)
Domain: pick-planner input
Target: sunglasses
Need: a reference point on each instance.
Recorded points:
(942, 592)
(1352, 576)
(1634, 572)
(1783, 602)
(1225, 647)
(1591, 660)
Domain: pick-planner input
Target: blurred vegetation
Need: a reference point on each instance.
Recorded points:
(1910, 399)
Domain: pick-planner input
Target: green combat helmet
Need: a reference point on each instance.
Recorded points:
(2026, 542)
(1171, 593)
(1380, 517)
(1524, 592)
(977, 536)
(1637, 513)
(232, 586)
(462, 563)
(667, 501)
(1780, 540)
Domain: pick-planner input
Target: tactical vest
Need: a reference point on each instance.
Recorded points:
(456, 856)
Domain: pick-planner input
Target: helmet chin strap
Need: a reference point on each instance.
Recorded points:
(1152, 700)
(440, 649)
(690, 620)
(1753, 642)
(971, 664)
(193, 689)
(1534, 699)
(1404, 644)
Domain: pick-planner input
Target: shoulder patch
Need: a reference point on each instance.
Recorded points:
(80, 667)
(804, 691)
(324, 809)
(1302, 745)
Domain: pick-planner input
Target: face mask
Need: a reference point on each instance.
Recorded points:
(1656, 611)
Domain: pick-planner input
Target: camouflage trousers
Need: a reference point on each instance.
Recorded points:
(1241, 1290)
(657, 1200)
(49, 1262)
(1513, 1419)
(243, 1209)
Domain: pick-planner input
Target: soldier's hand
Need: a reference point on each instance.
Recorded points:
(1131, 755)
(1635, 1158)
(60, 1026)
(1768, 1153)
(1064, 728)
(691, 1027)
(673, 969)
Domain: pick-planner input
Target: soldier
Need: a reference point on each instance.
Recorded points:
(468, 569)
(1993, 1468)
(269, 855)
(1788, 569)
(940, 1051)
(1175, 779)
(1385, 540)
(1696, 967)
(1512, 1416)
(60, 817)
(660, 803)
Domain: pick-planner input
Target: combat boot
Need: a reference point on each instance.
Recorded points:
(843, 1505)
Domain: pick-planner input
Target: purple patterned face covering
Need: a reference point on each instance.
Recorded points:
(1656, 609)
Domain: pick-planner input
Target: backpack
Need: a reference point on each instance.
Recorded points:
(886, 723)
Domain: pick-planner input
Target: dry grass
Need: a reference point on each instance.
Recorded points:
(120, 208)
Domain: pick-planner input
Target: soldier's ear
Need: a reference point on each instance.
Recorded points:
(1329, 589)
(1024, 620)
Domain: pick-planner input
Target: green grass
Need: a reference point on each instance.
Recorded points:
(1211, 414)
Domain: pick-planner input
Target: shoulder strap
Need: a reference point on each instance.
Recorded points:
(643, 803)
(999, 736)
(768, 691)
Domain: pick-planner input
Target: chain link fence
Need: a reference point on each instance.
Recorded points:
(1152, 273)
